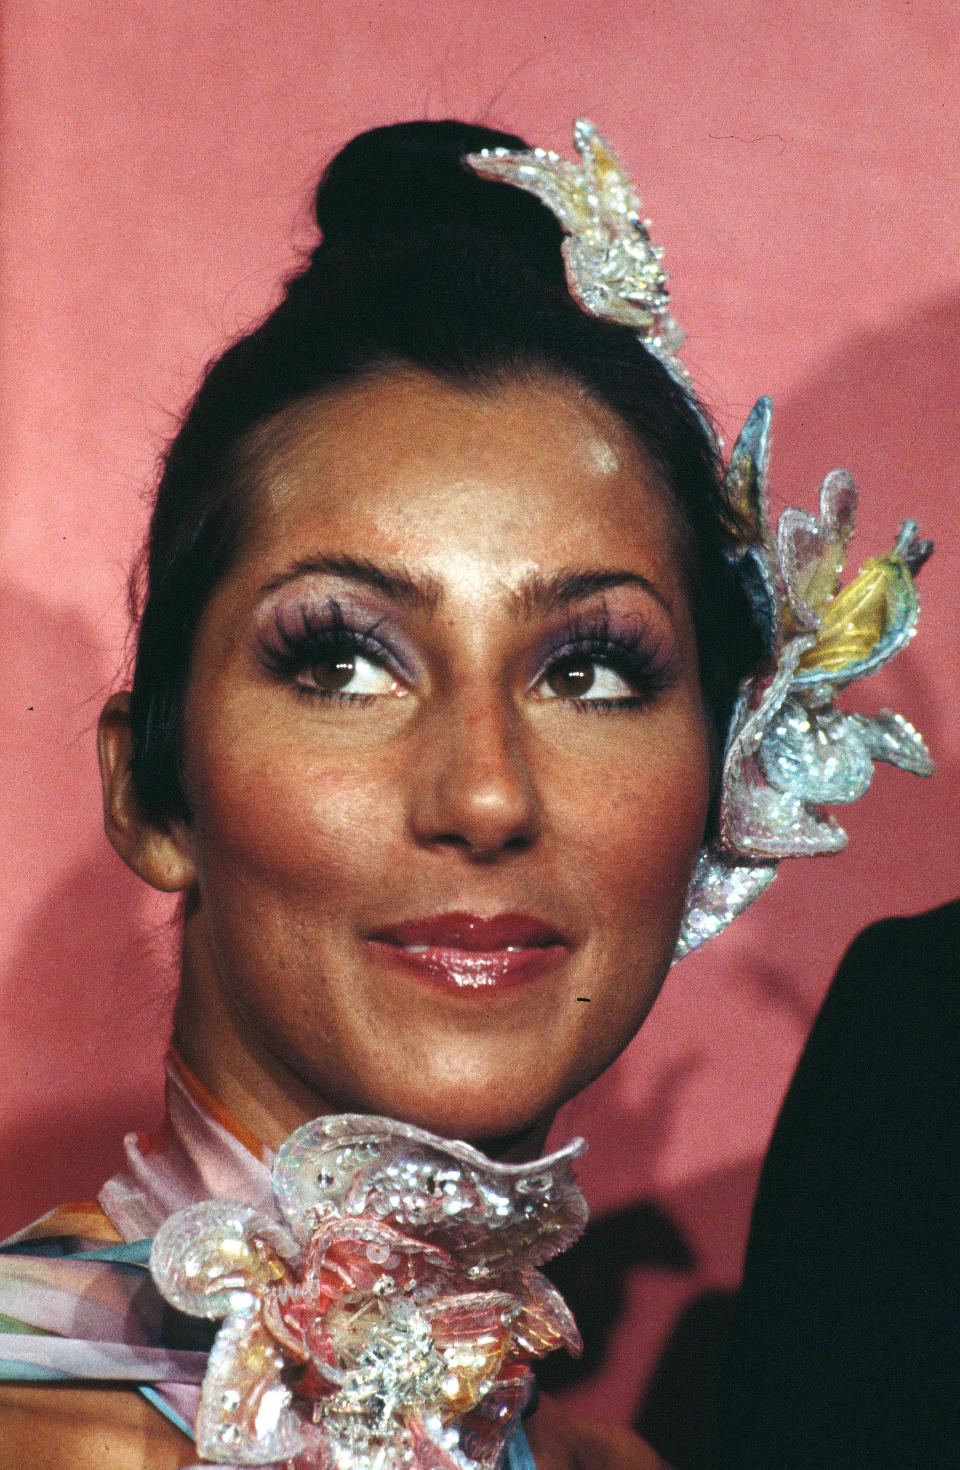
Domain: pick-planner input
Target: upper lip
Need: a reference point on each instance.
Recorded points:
(472, 932)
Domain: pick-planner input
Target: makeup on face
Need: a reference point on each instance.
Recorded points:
(446, 751)
(471, 954)
(343, 632)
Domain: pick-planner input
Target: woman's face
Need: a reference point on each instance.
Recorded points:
(445, 751)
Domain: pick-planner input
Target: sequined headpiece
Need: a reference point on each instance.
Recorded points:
(613, 267)
(789, 750)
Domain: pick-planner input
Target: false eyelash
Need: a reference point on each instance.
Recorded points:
(301, 635)
(637, 655)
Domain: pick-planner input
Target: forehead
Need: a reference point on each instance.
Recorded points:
(527, 473)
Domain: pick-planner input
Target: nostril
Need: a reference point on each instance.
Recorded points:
(482, 849)
(519, 842)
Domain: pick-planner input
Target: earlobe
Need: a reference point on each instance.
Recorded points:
(159, 853)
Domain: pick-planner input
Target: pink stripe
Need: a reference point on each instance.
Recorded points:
(83, 1359)
(197, 1159)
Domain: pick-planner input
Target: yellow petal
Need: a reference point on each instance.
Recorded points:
(853, 622)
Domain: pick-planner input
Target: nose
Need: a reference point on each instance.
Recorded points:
(472, 787)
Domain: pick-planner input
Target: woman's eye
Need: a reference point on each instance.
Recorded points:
(345, 671)
(584, 676)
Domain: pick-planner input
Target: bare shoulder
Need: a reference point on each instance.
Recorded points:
(79, 1428)
(564, 1441)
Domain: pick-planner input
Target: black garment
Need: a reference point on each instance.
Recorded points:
(846, 1349)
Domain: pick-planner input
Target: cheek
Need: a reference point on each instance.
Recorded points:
(634, 827)
(274, 821)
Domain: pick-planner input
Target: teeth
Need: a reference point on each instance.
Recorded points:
(422, 948)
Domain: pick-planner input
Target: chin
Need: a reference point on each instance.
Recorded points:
(493, 1095)
(497, 1117)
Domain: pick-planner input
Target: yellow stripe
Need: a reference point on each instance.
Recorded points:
(82, 1218)
(202, 1095)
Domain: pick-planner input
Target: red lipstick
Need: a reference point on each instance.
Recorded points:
(465, 952)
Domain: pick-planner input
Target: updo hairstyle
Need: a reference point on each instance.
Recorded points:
(421, 265)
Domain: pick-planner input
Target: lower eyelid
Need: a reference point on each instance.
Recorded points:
(606, 705)
(332, 696)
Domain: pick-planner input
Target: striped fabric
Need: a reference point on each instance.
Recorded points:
(77, 1302)
(76, 1299)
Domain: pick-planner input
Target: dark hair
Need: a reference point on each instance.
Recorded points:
(421, 264)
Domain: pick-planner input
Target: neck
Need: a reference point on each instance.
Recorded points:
(259, 1089)
(230, 1059)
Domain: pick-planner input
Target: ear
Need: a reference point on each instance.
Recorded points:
(158, 852)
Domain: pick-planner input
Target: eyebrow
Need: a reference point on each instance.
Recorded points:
(536, 594)
(423, 594)
(545, 594)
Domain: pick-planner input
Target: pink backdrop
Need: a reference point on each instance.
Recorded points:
(800, 164)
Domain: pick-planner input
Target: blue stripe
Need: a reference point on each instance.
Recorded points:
(518, 1451)
(13, 1371)
(168, 1413)
(137, 1253)
(58, 1247)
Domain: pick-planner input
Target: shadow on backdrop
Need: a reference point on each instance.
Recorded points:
(886, 407)
(81, 984)
(592, 1277)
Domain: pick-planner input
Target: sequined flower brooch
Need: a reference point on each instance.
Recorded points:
(387, 1317)
(790, 751)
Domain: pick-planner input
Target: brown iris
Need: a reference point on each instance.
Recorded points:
(333, 672)
(572, 678)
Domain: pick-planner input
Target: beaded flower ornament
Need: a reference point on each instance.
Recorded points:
(789, 750)
(386, 1316)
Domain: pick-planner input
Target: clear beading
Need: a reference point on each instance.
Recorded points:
(789, 751)
(387, 1317)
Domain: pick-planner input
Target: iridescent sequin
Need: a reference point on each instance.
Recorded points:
(389, 1319)
(613, 267)
(789, 751)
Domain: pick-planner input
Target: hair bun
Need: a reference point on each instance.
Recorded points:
(405, 185)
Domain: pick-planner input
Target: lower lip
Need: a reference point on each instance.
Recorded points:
(474, 972)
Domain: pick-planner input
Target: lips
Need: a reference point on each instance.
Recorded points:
(466, 952)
